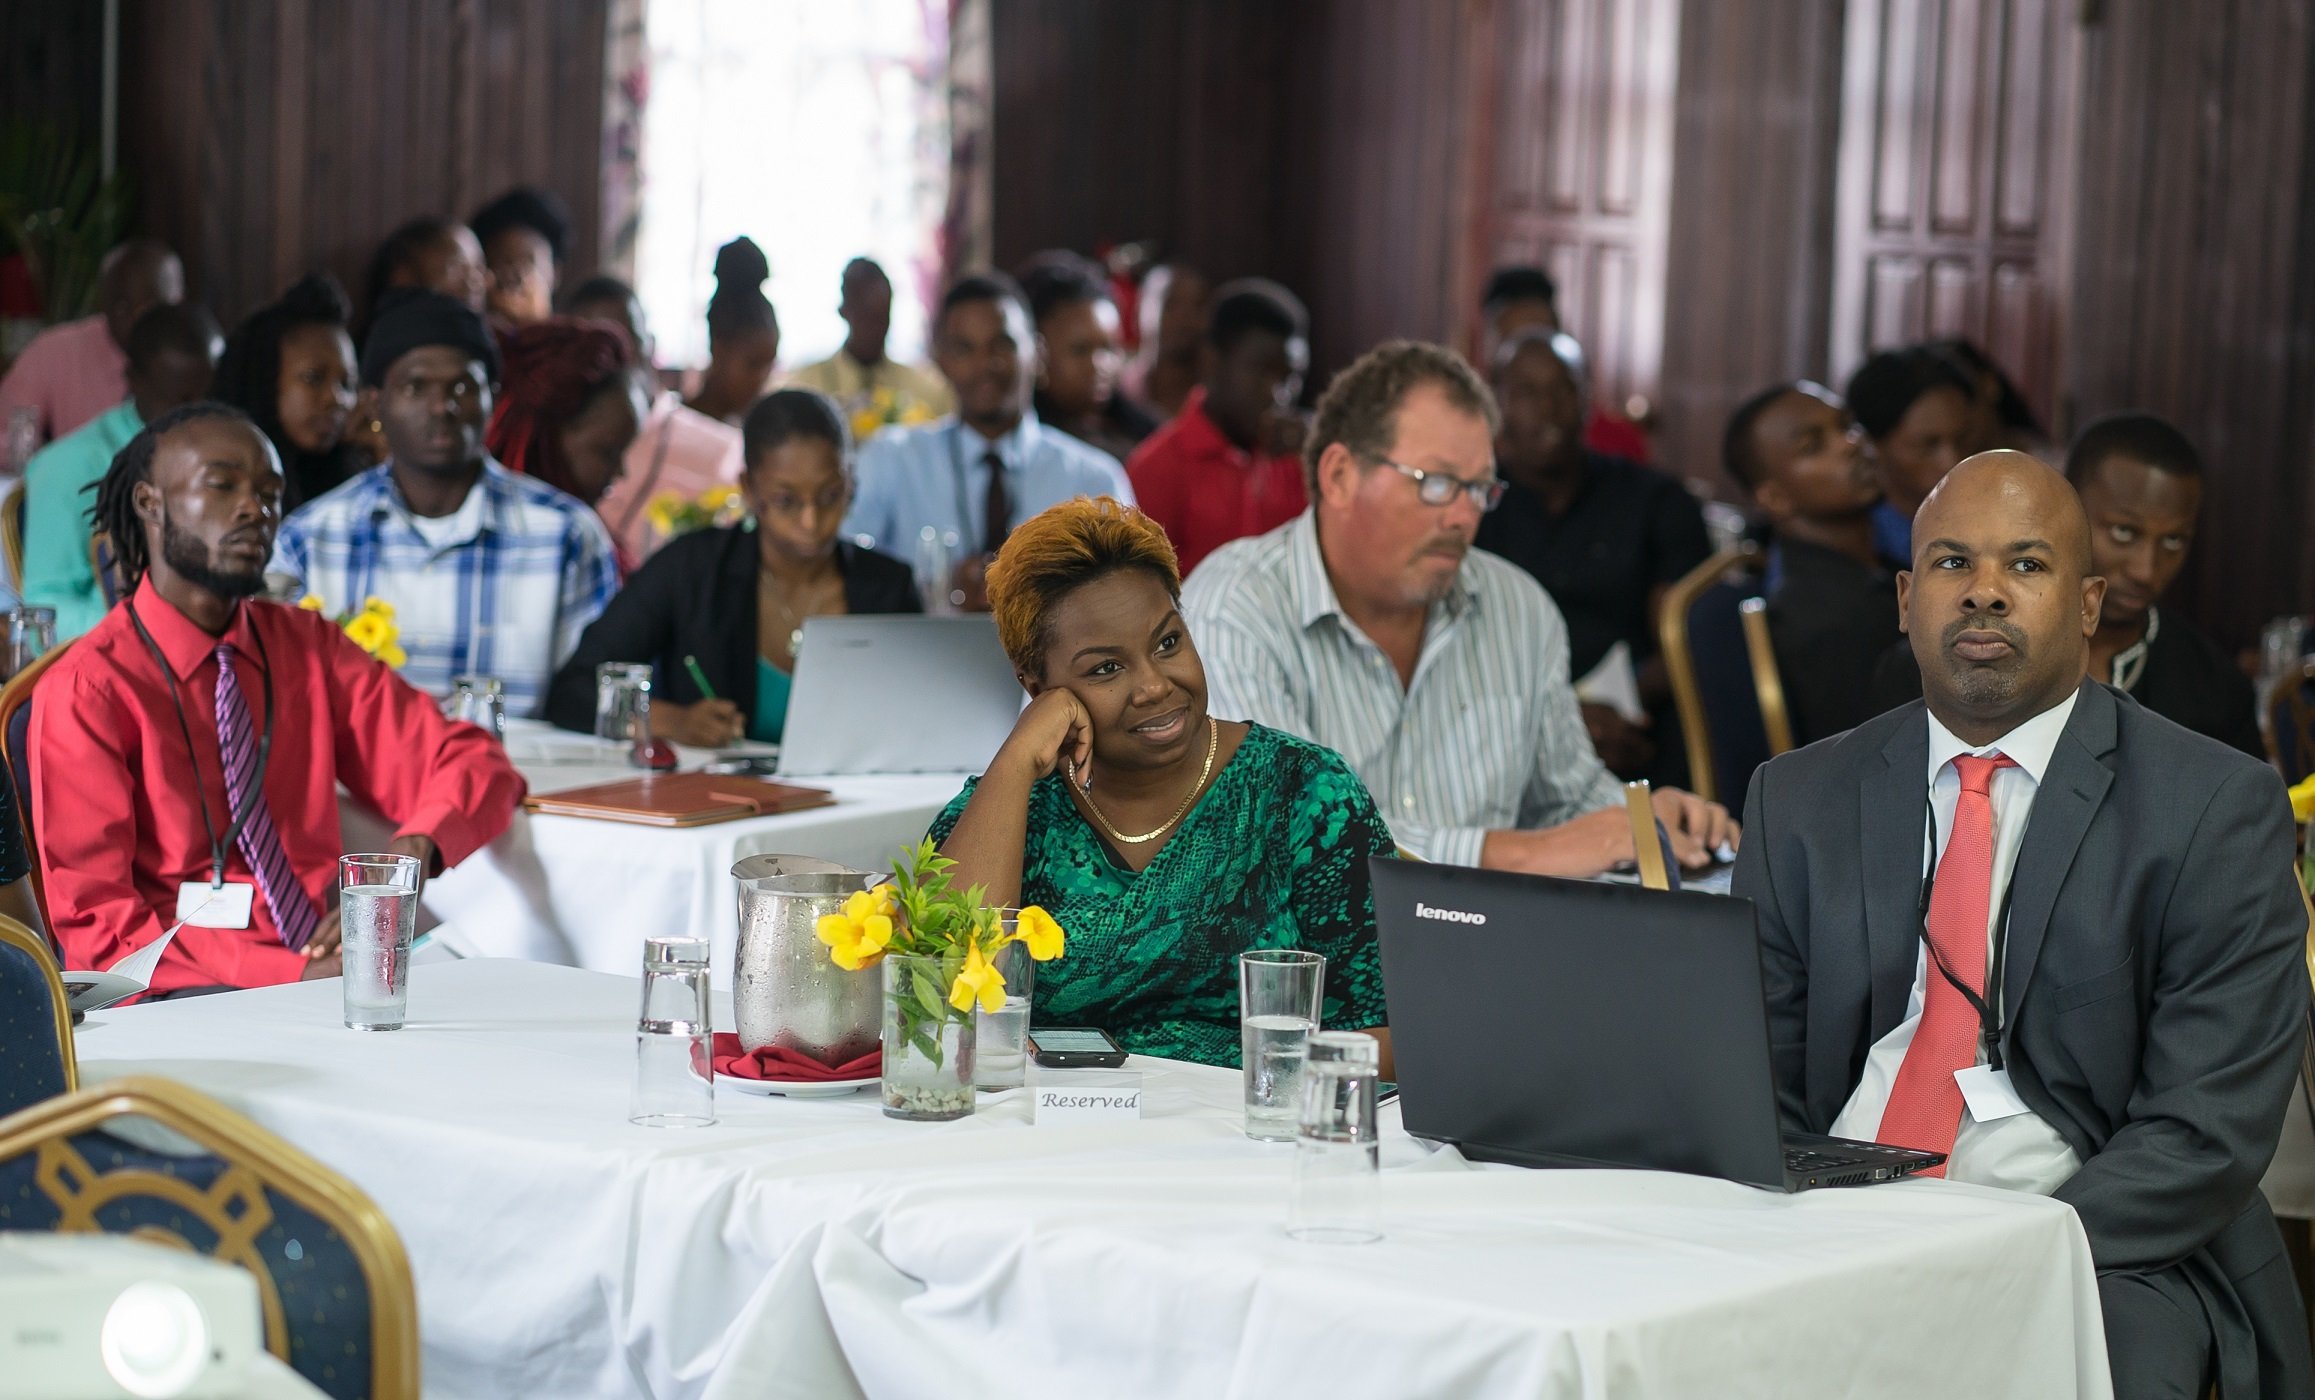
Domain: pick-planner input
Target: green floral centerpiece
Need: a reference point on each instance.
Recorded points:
(937, 947)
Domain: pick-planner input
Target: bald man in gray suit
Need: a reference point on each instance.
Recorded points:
(2124, 888)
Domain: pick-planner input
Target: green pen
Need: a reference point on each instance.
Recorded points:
(699, 678)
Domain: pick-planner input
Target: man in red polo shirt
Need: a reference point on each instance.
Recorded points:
(187, 752)
(1229, 465)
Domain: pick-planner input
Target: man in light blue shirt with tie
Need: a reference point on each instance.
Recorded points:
(969, 479)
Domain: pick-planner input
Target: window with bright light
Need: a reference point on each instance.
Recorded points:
(819, 130)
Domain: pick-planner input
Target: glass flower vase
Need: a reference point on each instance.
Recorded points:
(928, 1044)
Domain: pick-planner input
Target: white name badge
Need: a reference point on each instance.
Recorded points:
(204, 905)
(1989, 1093)
(1088, 1096)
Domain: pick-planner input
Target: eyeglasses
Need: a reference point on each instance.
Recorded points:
(1439, 488)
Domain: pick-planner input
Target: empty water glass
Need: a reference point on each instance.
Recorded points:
(936, 555)
(1278, 992)
(674, 1074)
(1001, 1037)
(377, 914)
(623, 708)
(480, 701)
(1337, 1171)
(31, 631)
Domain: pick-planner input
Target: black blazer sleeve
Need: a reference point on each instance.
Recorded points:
(643, 623)
(2219, 1048)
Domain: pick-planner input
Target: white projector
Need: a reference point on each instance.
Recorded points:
(95, 1317)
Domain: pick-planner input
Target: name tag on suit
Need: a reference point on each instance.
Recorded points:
(1989, 1093)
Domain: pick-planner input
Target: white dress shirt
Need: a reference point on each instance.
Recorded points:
(2021, 1152)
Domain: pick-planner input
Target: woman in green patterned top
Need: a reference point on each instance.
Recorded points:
(1165, 841)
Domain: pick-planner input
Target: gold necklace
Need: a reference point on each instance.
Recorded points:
(769, 588)
(1213, 741)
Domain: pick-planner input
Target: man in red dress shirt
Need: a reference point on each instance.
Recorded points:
(1229, 466)
(135, 730)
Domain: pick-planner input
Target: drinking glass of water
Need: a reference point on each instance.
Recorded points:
(1001, 1037)
(1278, 991)
(1337, 1172)
(378, 911)
(674, 1072)
(623, 708)
(479, 700)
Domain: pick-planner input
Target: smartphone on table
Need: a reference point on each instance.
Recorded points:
(1074, 1047)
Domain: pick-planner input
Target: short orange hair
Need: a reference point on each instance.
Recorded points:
(1061, 550)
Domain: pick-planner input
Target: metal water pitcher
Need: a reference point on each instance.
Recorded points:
(785, 990)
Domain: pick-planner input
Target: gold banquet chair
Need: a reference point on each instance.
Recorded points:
(333, 1282)
(36, 1057)
(1713, 631)
(1647, 847)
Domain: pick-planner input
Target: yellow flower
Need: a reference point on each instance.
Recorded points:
(979, 982)
(370, 632)
(857, 936)
(2303, 801)
(715, 498)
(393, 656)
(915, 414)
(1038, 929)
(378, 606)
(865, 423)
(312, 602)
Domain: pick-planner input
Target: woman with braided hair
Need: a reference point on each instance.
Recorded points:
(569, 406)
(290, 367)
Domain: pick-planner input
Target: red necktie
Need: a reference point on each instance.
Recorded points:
(1924, 1109)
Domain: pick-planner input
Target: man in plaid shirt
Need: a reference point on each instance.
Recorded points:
(489, 573)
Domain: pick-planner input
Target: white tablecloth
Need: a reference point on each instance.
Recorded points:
(817, 1249)
(587, 893)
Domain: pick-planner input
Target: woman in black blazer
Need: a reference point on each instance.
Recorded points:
(735, 599)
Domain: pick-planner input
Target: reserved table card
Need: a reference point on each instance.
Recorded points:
(1087, 1095)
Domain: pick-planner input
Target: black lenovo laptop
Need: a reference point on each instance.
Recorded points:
(1562, 1023)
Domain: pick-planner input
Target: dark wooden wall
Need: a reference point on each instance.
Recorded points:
(2194, 285)
(1748, 298)
(52, 65)
(269, 139)
(1121, 122)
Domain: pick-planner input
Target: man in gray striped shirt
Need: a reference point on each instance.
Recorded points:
(1370, 625)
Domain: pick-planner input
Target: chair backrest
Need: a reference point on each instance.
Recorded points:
(36, 1059)
(333, 1281)
(2291, 722)
(16, 737)
(1767, 682)
(12, 533)
(104, 565)
(1701, 633)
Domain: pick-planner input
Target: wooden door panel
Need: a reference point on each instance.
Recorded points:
(1951, 204)
(1583, 133)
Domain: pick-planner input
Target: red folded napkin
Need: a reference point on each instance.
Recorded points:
(781, 1065)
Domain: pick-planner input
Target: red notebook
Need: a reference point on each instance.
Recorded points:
(679, 799)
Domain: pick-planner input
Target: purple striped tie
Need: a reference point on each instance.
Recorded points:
(294, 916)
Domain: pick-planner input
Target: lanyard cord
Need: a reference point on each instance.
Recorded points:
(217, 846)
(1988, 1007)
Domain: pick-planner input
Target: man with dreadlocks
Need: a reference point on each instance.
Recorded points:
(187, 753)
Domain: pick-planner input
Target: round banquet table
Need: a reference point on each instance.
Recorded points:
(586, 893)
(814, 1248)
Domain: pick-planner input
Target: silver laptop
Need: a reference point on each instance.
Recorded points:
(898, 694)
